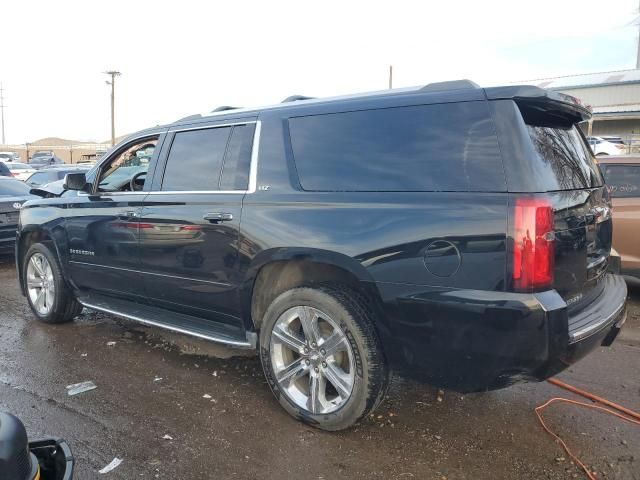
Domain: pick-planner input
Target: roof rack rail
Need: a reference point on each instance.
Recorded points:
(190, 117)
(295, 98)
(450, 85)
(223, 108)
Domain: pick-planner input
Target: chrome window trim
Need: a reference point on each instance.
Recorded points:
(253, 167)
(208, 126)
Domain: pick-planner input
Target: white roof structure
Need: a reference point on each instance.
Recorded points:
(586, 80)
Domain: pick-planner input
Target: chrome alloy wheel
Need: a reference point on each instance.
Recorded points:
(40, 284)
(312, 360)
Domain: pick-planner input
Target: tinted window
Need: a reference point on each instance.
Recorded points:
(235, 172)
(13, 187)
(4, 170)
(39, 178)
(195, 159)
(623, 180)
(447, 147)
(570, 164)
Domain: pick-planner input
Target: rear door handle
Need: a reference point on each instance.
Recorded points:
(129, 214)
(218, 217)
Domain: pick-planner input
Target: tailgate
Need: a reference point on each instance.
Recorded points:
(567, 177)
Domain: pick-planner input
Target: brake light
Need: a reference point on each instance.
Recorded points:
(533, 246)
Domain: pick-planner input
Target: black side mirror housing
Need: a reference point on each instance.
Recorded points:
(75, 181)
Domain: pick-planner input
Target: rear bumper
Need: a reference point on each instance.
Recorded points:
(470, 340)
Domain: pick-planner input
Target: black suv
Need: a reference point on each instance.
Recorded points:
(456, 234)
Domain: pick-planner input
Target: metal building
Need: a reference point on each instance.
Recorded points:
(613, 96)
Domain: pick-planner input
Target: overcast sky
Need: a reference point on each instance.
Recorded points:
(179, 58)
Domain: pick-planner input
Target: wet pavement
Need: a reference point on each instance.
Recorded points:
(150, 410)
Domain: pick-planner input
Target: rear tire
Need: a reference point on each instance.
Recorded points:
(48, 295)
(334, 381)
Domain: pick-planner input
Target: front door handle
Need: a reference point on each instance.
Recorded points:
(218, 217)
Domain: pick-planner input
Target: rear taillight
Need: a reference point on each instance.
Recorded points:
(533, 246)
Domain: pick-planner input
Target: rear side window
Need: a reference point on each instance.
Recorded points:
(235, 171)
(4, 170)
(443, 147)
(623, 180)
(195, 160)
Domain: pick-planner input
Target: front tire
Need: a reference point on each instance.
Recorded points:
(48, 295)
(322, 356)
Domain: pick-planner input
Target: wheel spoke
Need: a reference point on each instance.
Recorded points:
(37, 266)
(290, 339)
(339, 379)
(309, 321)
(40, 299)
(336, 342)
(292, 372)
(34, 283)
(50, 296)
(315, 393)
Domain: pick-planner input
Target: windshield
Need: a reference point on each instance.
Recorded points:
(12, 188)
(5, 155)
(42, 154)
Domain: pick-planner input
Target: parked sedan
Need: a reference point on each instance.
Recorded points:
(43, 159)
(13, 193)
(622, 175)
(53, 174)
(9, 157)
(21, 171)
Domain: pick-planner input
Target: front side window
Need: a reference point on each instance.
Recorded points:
(623, 180)
(441, 147)
(127, 171)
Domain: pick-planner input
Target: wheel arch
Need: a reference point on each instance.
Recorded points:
(30, 235)
(276, 270)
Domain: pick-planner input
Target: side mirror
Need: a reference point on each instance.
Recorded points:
(75, 181)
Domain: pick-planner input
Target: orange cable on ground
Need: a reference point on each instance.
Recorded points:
(625, 414)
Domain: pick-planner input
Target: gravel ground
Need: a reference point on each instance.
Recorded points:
(150, 411)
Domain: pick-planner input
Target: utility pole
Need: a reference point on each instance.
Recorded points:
(2, 105)
(638, 47)
(391, 76)
(113, 74)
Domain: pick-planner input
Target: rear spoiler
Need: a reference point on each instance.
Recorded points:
(539, 98)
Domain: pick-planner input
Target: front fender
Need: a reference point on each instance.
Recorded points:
(41, 225)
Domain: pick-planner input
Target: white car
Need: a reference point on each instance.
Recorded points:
(20, 171)
(602, 146)
(9, 157)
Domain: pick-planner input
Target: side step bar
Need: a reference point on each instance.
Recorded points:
(180, 323)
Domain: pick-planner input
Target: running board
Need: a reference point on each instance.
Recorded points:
(176, 322)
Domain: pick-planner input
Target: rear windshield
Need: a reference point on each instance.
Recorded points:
(443, 147)
(571, 165)
(13, 188)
